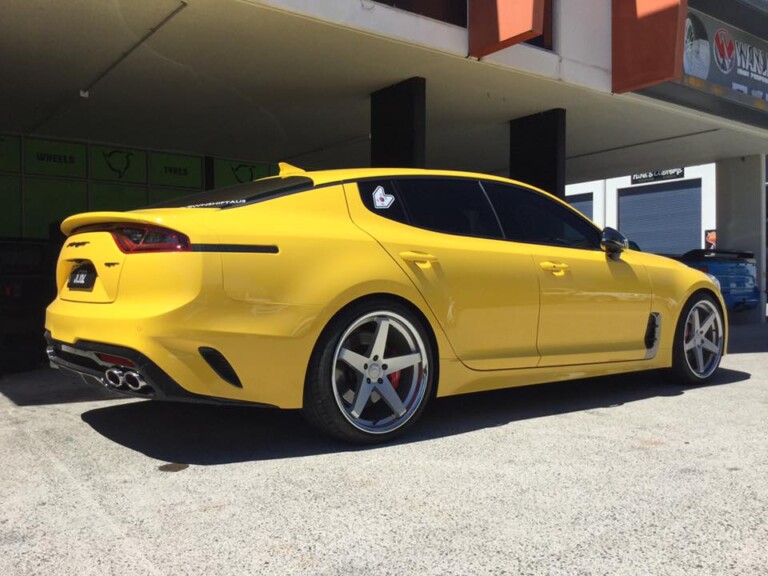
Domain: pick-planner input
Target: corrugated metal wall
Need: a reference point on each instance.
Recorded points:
(663, 218)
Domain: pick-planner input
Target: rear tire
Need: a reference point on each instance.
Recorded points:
(371, 373)
(699, 340)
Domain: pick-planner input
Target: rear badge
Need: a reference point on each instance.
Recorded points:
(382, 200)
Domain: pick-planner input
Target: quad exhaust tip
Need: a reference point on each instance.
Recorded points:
(117, 378)
(134, 380)
(114, 377)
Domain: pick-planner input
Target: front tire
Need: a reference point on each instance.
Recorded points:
(699, 340)
(371, 373)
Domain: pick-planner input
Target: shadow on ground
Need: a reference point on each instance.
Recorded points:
(47, 386)
(208, 435)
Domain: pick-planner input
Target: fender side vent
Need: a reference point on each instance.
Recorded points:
(652, 335)
(220, 365)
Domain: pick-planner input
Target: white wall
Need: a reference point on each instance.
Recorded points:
(741, 204)
(582, 46)
(597, 189)
(605, 196)
(381, 20)
(581, 34)
(583, 39)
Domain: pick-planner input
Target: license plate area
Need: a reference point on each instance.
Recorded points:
(82, 277)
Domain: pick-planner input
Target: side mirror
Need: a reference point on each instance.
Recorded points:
(613, 242)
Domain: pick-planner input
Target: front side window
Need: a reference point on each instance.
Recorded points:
(530, 217)
(449, 205)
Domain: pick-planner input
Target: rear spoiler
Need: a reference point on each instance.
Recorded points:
(79, 220)
(723, 255)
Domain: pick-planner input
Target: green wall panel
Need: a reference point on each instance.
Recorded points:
(54, 158)
(116, 197)
(229, 172)
(47, 201)
(165, 194)
(10, 206)
(118, 164)
(10, 153)
(176, 171)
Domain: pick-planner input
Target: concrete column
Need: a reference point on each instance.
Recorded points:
(741, 217)
(398, 125)
(537, 150)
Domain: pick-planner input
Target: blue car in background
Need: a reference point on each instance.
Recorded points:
(736, 272)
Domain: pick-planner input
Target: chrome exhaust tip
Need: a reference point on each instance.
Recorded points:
(134, 381)
(114, 377)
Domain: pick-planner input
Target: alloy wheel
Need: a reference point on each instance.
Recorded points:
(703, 338)
(380, 372)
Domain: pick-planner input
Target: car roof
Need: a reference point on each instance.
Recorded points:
(322, 177)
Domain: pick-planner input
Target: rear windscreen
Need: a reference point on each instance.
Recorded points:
(241, 194)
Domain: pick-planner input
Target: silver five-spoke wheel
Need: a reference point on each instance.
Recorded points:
(371, 374)
(380, 372)
(700, 340)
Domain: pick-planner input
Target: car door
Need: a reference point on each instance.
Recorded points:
(443, 233)
(594, 308)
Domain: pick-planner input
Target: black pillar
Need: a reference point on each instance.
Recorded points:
(398, 125)
(537, 150)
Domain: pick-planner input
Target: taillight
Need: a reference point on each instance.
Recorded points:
(139, 238)
(704, 269)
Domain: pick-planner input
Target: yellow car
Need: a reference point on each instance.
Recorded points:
(357, 295)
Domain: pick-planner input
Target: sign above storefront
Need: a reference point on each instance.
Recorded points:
(229, 172)
(55, 158)
(658, 175)
(118, 164)
(725, 61)
(176, 170)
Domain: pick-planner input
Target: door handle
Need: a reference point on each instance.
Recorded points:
(413, 256)
(553, 266)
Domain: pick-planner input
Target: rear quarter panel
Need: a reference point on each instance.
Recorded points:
(283, 301)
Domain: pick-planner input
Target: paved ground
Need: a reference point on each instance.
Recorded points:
(630, 475)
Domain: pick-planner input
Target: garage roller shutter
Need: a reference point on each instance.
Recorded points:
(664, 219)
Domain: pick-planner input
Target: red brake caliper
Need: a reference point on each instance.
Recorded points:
(394, 378)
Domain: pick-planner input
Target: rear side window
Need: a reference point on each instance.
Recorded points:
(530, 217)
(381, 197)
(449, 205)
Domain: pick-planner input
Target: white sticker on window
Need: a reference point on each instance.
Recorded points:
(382, 200)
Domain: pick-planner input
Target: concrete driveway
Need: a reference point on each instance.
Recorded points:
(622, 475)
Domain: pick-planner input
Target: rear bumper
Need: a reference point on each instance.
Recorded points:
(81, 360)
(267, 345)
